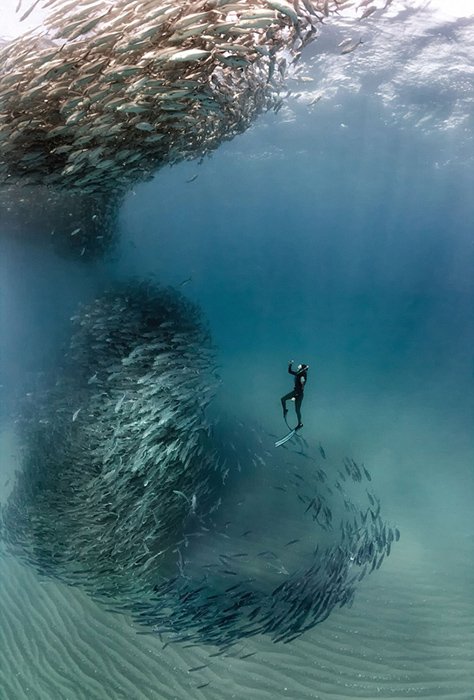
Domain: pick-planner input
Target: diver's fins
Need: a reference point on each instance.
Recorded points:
(285, 439)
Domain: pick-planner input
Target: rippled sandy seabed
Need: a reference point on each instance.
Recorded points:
(332, 224)
(408, 634)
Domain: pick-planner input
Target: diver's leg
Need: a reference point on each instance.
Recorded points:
(298, 402)
(284, 399)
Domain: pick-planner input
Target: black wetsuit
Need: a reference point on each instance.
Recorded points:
(297, 393)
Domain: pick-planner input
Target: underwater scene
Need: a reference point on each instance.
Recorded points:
(236, 349)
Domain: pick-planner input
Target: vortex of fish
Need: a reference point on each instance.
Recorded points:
(122, 472)
(109, 92)
(111, 444)
(106, 93)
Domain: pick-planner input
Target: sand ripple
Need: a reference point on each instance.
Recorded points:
(410, 634)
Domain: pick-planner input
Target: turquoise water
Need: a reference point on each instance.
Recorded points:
(339, 235)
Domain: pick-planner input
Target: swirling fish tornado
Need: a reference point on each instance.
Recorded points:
(109, 444)
(196, 525)
(109, 92)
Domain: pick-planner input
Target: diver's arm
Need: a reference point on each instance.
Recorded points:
(291, 371)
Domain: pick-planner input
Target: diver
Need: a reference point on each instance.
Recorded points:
(296, 395)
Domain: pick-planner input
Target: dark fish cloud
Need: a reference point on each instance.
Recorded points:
(106, 103)
(130, 489)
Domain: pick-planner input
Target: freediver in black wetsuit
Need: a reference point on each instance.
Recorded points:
(297, 394)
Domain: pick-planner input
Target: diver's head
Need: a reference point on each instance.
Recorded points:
(302, 367)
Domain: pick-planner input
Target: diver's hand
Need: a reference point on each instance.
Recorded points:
(290, 362)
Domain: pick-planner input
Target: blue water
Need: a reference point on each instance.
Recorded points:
(340, 238)
(353, 251)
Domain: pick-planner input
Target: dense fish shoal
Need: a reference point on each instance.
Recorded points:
(132, 489)
(110, 92)
(107, 93)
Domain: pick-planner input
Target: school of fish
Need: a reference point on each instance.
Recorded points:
(134, 488)
(128, 487)
(120, 429)
(107, 92)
